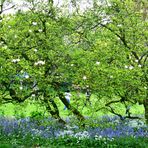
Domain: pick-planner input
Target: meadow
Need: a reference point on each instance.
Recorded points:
(32, 107)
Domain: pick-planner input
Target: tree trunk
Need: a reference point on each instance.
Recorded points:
(145, 103)
(71, 108)
(54, 113)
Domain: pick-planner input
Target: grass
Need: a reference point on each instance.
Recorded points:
(30, 107)
(18, 140)
(66, 142)
(75, 143)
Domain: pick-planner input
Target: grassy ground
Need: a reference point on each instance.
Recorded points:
(75, 143)
(29, 108)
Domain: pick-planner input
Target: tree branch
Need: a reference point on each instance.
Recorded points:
(8, 8)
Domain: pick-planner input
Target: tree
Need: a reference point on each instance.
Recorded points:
(104, 48)
(33, 43)
(116, 38)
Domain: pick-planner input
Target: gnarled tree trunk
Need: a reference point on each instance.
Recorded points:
(54, 113)
(145, 103)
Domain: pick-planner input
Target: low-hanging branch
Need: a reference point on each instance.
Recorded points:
(111, 109)
(123, 117)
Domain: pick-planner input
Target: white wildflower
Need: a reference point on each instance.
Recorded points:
(33, 95)
(26, 76)
(139, 65)
(35, 50)
(97, 137)
(65, 132)
(119, 25)
(40, 30)
(9, 26)
(133, 123)
(1, 42)
(131, 67)
(36, 132)
(100, 136)
(72, 64)
(34, 23)
(21, 87)
(97, 63)
(81, 135)
(36, 63)
(126, 66)
(39, 63)
(84, 77)
(145, 87)
(15, 60)
(106, 21)
(136, 61)
(30, 30)
(1, 21)
(68, 132)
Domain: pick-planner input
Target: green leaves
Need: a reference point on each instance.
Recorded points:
(103, 48)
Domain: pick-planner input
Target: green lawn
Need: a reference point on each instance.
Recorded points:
(28, 108)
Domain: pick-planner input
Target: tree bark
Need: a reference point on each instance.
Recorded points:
(54, 113)
(70, 107)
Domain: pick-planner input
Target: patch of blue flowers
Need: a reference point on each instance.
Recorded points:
(105, 127)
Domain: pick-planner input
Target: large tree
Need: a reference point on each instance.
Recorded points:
(34, 57)
(114, 41)
(44, 52)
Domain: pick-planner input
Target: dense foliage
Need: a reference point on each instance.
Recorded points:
(44, 53)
